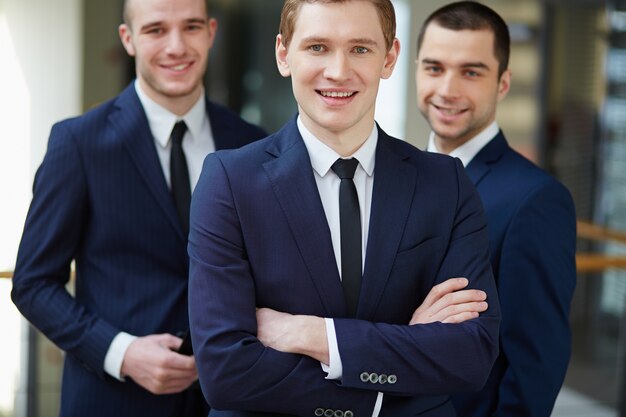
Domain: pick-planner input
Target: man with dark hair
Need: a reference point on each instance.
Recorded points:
(462, 74)
(113, 195)
(320, 257)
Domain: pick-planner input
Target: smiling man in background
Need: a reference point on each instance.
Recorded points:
(112, 194)
(462, 74)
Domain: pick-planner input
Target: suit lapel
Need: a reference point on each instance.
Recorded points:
(478, 167)
(293, 182)
(221, 126)
(131, 124)
(394, 188)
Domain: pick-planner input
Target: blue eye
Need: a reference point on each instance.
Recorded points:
(361, 50)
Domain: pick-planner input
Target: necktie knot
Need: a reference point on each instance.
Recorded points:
(345, 168)
(178, 132)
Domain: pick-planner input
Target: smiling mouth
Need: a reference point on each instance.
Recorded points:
(179, 67)
(449, 111)
(336, 94)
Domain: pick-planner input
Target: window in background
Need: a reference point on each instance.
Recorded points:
(10, 351)
(14, 174)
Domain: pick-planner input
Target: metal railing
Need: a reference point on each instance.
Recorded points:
(585, 262)
(596, 262)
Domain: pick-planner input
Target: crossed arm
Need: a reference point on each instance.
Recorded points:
(306, 335)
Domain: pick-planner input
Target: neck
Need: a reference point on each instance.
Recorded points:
(448, 145)
(345, 142)
(179, 105)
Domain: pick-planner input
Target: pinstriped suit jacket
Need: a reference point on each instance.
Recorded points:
(100, 198)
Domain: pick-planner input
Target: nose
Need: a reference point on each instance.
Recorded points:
(338, 67)
(176, 45)
(449, 86)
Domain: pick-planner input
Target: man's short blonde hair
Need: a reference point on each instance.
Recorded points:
(291, 8)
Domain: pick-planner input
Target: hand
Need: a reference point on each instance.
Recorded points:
(447, 304)
(151, 362)
(305, 335)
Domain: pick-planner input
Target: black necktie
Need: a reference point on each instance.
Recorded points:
(350, 220)
(179, 175)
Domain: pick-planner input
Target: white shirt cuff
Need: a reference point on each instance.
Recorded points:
(115, 355)
(334, 368)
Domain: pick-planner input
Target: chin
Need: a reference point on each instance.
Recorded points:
(179, 91)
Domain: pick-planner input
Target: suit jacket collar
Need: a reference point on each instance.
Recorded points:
(478, 167)
(222, 125)
(130, 124)
(293, 181)
(394, 188)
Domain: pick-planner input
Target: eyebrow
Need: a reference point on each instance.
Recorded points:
(158, 23)
(360, 41)
(479, 64)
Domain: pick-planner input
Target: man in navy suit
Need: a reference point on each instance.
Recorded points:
(273, 322)
(102, 199)
(462, 74)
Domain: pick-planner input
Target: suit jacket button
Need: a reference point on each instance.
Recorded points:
(348, 413)
(373, 377)
(365, 377)
(319, 412)
(382, 379)
(391, 379)
(339, 413)
(329, 413)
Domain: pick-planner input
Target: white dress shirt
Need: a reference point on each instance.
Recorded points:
(322, 158)
(197, 144)
(469, 149)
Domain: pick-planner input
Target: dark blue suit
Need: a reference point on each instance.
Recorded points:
(259, 238)
(532, 234)
(100, 198)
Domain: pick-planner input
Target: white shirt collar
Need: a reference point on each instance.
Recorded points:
(161, 120)
(469, 149)
(323, 157)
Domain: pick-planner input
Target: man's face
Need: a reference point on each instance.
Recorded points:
(336, 58)
(458, 88)
(170, 40)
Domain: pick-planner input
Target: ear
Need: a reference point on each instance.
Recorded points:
(390, 59)
(281, 57)
(212, 31)
(127, 39)
(504, 84)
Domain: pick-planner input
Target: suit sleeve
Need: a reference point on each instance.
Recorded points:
(537, 276)
(51, 240)
(236, 370)
(433, 358)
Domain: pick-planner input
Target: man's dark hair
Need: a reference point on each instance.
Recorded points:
(471, 15)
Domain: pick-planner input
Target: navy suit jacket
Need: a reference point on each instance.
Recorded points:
(532, 235)
(100, 198)
(259, 238)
